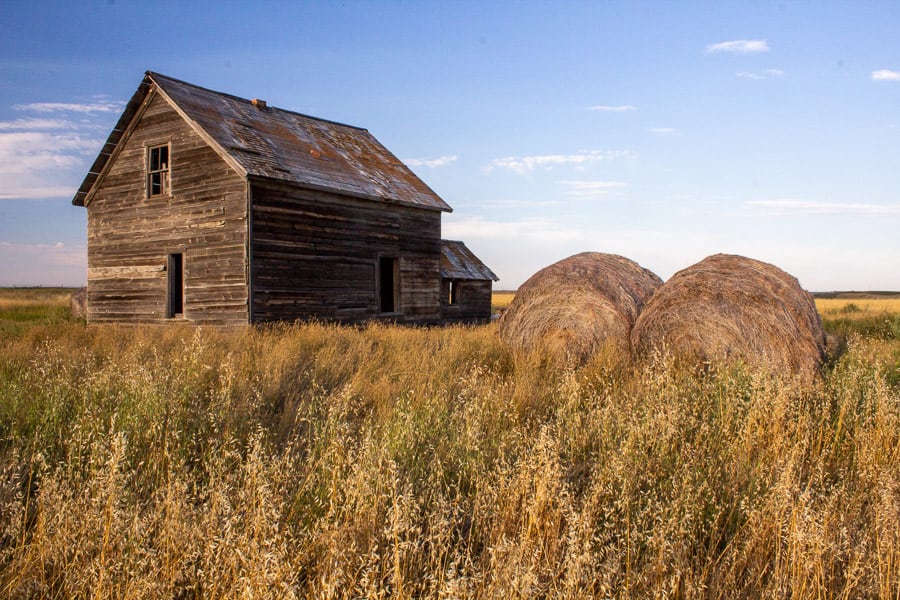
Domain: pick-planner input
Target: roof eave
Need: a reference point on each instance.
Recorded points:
(358, 195)
(112, 142)
(475, 269)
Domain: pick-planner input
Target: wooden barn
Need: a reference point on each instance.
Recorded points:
(209, 208)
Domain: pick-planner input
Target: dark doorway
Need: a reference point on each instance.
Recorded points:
(388, 279)
(175, 301)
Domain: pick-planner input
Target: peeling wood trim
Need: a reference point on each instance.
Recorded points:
(130, 272)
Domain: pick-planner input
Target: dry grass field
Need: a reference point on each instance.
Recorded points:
(42, 300)
(501, 300)
(317, 461)
(857, 308)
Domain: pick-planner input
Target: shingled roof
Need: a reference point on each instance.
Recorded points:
(271, 143)
(458, 262)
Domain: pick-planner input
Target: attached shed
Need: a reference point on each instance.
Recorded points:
(466, 284)
(210, 208)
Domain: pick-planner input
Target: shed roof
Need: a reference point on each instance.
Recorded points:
(458, 262)
(276, 144)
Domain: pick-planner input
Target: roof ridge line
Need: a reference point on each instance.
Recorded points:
(155, 74)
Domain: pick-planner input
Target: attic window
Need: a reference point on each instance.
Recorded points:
(158, 170)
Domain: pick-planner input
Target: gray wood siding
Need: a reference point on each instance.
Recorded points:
(315, 255)
(474, 301)
(130, 235)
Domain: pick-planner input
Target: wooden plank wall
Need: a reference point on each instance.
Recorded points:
(315, 255)
(474, 301)
(130, 235)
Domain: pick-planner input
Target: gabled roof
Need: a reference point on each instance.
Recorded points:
(458, 262)
(275, 144)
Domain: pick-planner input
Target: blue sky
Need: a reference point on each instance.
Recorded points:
(661, 131)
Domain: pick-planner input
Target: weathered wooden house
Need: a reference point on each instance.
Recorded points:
(465, 284)
(210, 208)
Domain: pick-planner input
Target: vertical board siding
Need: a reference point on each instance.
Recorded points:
(315, 256)
(130, 236)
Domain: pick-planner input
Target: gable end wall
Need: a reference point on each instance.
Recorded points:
(130, 235)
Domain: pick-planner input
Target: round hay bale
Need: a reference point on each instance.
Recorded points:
(578, 305)
(78, 303)
(729, 308)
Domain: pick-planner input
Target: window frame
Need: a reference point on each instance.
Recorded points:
(163, 171)
(453, 295)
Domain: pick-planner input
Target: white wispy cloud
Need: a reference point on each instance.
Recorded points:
(615, 108)
(738, 46)
(524, 164)
(36, 124)
(35, 192)
(57, 254)
(790, 206)
(431, 163)
(588, 190)
(46, 157)
(537, 230)
(23, 151)
(664, 131)
(760, 75)
(885, 75)
(517, 247)
(72, 107)
(43, 264)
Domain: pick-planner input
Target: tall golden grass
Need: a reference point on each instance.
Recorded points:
(319, 461)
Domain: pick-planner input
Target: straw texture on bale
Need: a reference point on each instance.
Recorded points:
(733, 308)
(578, 305)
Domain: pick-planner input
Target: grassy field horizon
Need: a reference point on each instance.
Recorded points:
(321, 461)
(501, 299)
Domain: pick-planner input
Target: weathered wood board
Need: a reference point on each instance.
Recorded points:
(315, 255)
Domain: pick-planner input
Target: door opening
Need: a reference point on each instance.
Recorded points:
(175, 300)
(388, 288)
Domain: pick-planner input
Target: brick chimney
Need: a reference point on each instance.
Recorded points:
(258, 103)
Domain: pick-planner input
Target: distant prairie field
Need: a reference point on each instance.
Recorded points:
(320, 461)
(22, 307)
(858, 308)
(34, 297)
(861, 307)
(865, 315)
(501, 300)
